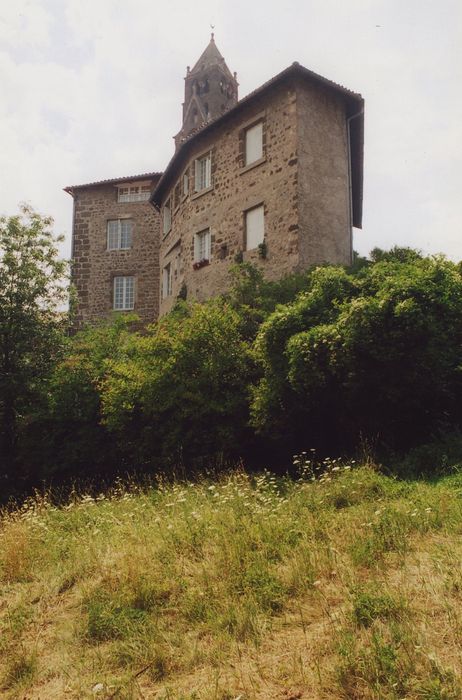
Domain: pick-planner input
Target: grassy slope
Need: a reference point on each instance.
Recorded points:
(345, 587)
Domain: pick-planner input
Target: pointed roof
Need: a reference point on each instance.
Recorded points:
(355, 107)
(210, 57)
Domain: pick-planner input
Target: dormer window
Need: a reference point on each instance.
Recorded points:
(134, 193)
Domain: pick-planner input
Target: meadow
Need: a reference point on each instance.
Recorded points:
(341, 583)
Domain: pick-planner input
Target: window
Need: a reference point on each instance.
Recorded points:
(134, 193)
(119, 234)
(203, 172)
(167, 216)
(124, 293)
(254, 227)
(202, 245)
(254, 143)
(185, 183)
(167, 281)
(177, 195)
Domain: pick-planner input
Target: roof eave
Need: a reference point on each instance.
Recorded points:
(292, 70)
(70, 189)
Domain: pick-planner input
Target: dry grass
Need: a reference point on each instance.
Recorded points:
(344, 586)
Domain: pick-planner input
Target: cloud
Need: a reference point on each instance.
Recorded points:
(94, 89)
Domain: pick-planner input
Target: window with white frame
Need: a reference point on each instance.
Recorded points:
(202, 245)
(119, 234)
(254, 227)
(167, 216)
(134, 193)
(203, 172)
(124, 293)
(167, 281)
(254, 143)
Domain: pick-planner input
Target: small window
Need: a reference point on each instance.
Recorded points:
(119, 234)
(167, 216)
(124, 293)
(177, 195)
(134, 193)
(167, 281)
(254, 143)
(186, 183)
(254, 227)
(202, 246)
(203, 172)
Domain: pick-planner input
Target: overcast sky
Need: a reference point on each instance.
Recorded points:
(92, 89)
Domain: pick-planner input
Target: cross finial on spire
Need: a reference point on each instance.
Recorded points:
(212, 35)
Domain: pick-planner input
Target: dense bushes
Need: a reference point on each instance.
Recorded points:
(180, 392)
(376, 355)
(328, 360)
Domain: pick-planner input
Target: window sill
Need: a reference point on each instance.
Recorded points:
(201, 192)
(201, 263)
(164, 235)
(250, 166)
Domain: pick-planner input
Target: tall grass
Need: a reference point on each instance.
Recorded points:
(338, 584)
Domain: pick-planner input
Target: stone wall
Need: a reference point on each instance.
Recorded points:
(272, 181)
(94, 266)
(323, 176)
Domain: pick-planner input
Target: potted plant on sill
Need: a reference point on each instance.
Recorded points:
(201, 263)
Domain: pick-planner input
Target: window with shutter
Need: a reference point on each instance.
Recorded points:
(167, 224)
(254, 143)
(254, 227)
(203, 172)
(167, 281)
(202, 245)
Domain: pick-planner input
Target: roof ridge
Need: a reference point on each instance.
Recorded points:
(114, 180)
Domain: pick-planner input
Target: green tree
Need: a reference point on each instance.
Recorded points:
(32, 296)
(377, 355)
(179, 393)
(67, 439)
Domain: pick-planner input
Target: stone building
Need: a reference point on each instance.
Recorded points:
(115, 248)
(274, 178)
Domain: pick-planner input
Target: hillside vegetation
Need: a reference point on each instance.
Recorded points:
(343, 583)
(332, 359)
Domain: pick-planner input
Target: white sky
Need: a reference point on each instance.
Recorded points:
(92, 89)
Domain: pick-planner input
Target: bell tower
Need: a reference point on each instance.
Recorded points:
(210, 90)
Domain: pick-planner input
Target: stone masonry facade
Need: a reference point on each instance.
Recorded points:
(236, 188)
(96, 265)
(274, 179)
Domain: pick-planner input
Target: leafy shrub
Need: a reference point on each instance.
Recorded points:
(375, 356)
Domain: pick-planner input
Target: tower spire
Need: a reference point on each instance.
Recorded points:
(210, 90)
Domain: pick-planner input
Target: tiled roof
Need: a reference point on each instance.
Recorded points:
(113, 181)
(293, 70)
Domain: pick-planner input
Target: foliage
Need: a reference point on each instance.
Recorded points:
(69, 435)
(178, 392)
(333, 358)
(32, 292)
(375, 356)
